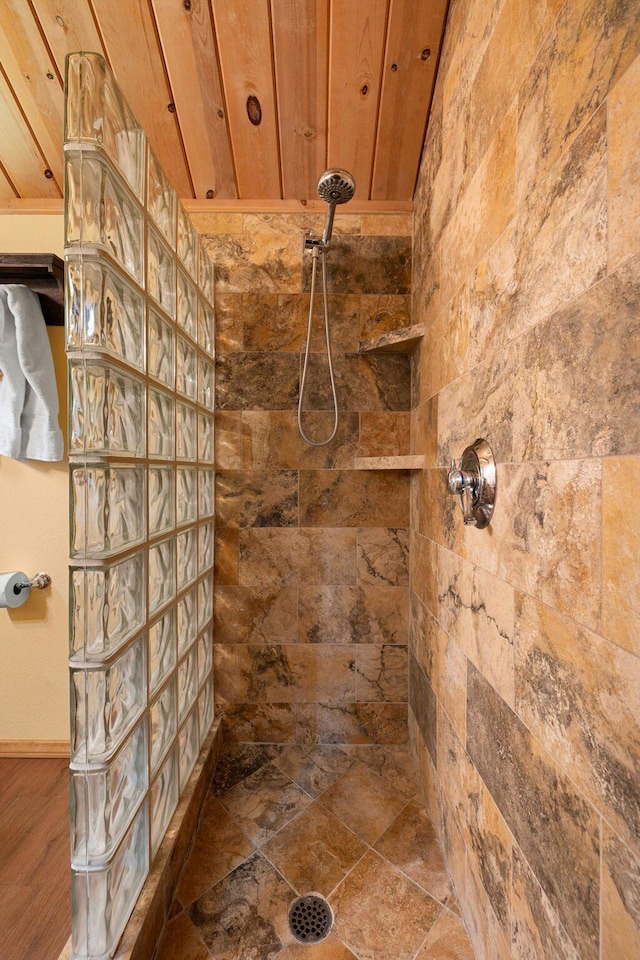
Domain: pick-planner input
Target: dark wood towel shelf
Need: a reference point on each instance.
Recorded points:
(44, 274)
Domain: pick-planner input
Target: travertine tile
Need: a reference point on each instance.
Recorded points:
(272, 439)
(353, 498)
(384, 434)
(257, 381)
(444, 664)
(624, 166)
(383, 556)
(573, 689)
(410, 844)
(422, 701)
(270, 557)
(361, 723)
(229, 331)
(255, 615)
(386, 225)
(264, 802)
(367, 265)
(448, 940)
(489, 856)
(393, 764)
(367, 613)
(444, 353)
(226, 556)
(382, 312)
(245, 914)
(219, 846)
(229, 440)
(365, 802)
(484, 930)
(424, 430)
(371, 382)
(329, 949)
(256, 498)
(315, 851)
(258, 722)
(537, 932)
(180, 941)
(368, 906)
(253, 261)
(314, 768)
(238, 762)
(284, 673)
(621, 571)
(271, 325)
(620, 899)
(555, 827)
(381, 672)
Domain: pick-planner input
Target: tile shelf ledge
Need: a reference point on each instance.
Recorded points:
(416, 462)
(393, 341)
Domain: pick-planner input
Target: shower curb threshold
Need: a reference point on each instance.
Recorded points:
(144, 927)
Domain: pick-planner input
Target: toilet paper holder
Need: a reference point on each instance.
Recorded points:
(15, 587)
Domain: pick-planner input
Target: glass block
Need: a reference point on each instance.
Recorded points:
(206, 327)
(187, 496)
(162, 574)
(164, 799)
(205, 601)
(106, 701)
(187, 557)
(108, 606)
(206, 383)
(162, 360)
(187, 683)
(107, 509)
(205, 547)
(205, 438)
(161, 200)
(104, 800)
(103, 898)
(162, 649)
(161, 272)
(205, 654)
(186, 439)
(205, 709)
(164, 714)
(162, 508)
(186, 378)
(205, 493)
(104, 312)
(187, 305)
(206, 274)
(97, 112)
(101, 213)
(188, 747)
(187, 242)
(187, 621)
(106, 410)
(161, 425)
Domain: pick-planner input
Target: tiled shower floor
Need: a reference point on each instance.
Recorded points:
(345, 822)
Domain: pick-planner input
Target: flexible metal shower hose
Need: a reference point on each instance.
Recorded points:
(314, 269)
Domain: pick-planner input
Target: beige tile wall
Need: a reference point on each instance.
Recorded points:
(311, 600)
(524, 652)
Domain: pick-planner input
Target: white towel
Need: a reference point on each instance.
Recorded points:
(28, 394)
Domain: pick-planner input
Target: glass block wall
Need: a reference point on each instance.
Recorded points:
(140, 342)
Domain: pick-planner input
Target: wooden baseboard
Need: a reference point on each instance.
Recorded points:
(34, 748)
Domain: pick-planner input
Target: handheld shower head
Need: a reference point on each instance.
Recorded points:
(334, 186)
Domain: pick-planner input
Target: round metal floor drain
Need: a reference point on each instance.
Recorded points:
(310, 918)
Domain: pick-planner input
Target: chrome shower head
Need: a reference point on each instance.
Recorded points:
(336, 186)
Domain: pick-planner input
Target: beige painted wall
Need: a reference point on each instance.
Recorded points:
(33, 537)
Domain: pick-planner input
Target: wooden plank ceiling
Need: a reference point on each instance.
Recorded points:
(242, 100)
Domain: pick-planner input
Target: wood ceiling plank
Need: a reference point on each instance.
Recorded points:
(415, 26)
(34, 79)
(6, 190)
(244, 42)
(19, 152)
(192, 63)
(68, 26)
(356, 50)
(129, 34)
(301, 49)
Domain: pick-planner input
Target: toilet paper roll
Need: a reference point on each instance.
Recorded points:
(9, 596)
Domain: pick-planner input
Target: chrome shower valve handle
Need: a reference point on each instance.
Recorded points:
(474, 481)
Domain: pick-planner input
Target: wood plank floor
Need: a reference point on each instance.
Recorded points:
(35, 890)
